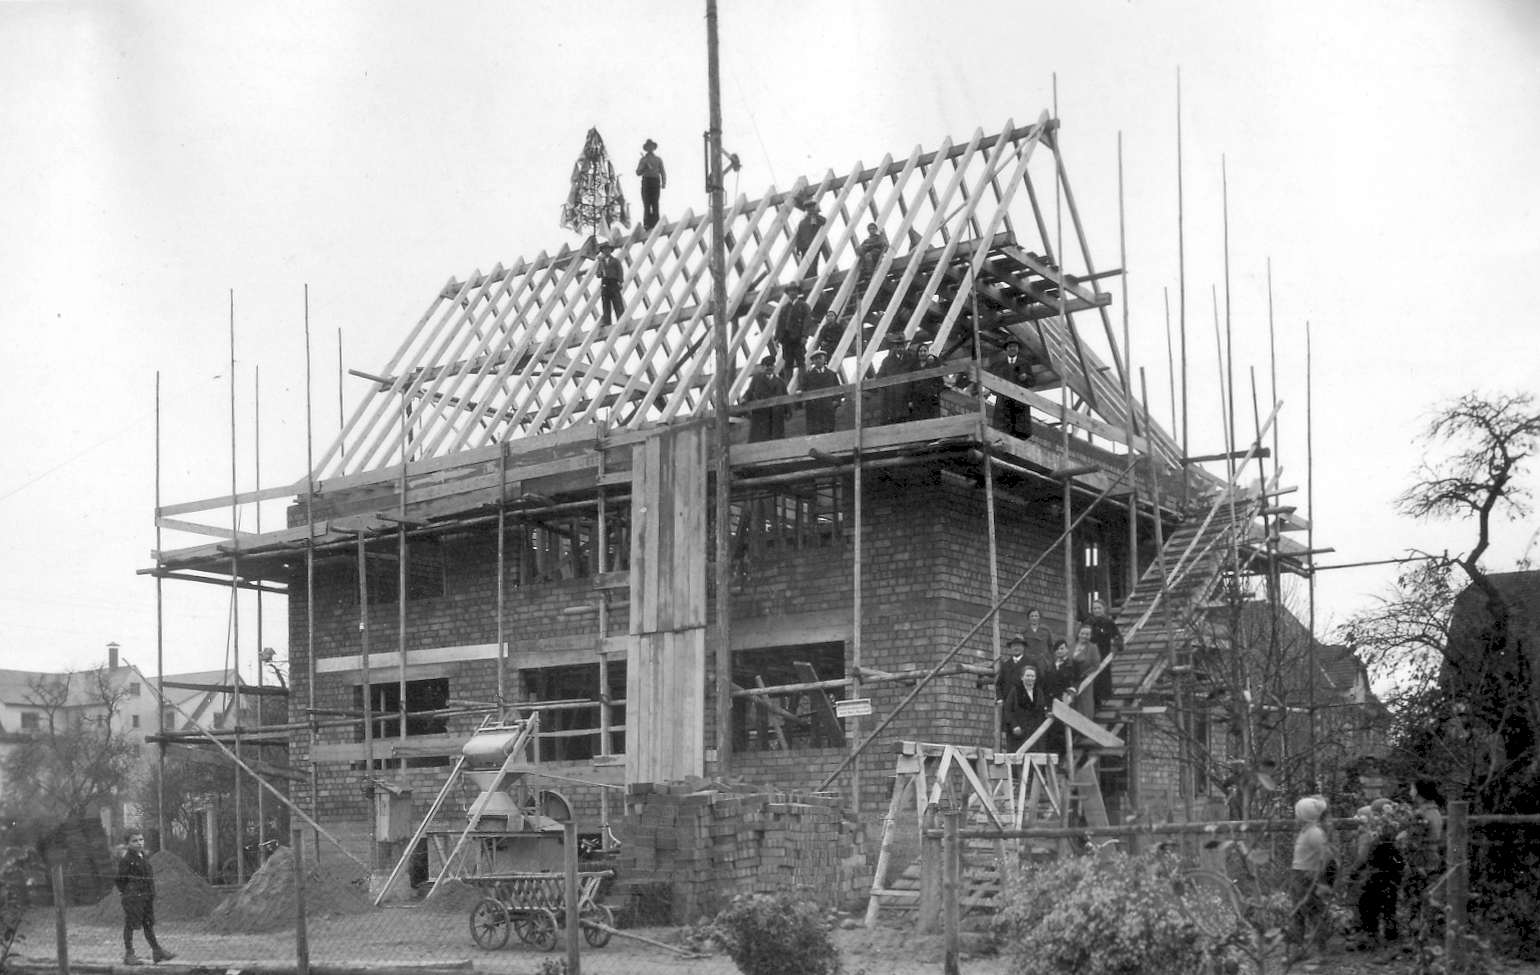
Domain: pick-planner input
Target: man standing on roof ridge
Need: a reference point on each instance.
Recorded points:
(654, 178)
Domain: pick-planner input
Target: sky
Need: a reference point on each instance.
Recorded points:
(168, 166)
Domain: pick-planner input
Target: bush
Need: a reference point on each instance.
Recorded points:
(1111, 915)
(767, 935)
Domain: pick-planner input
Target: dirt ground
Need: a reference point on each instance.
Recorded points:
(407, 935)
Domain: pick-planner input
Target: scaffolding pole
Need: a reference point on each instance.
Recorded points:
(315, 733)
(235, 616)
(989, 498)
(160, 646)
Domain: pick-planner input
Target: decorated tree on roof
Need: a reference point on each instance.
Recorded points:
(596, 200)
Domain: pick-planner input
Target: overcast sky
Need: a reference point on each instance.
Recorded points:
(156, 157)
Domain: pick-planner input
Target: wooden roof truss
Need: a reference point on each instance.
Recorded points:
(521, 351)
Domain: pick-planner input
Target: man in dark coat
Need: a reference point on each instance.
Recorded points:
(1009, 671)
(136, 885)
(1012, 416)
(807, 229)
(792, 325)
(821, 412)
(767, 423)
(610, 276)
(654, 178)
(1104, 633)
(895, 398)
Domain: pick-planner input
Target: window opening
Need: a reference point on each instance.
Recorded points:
(571, 734)
(792, 720)
(421, 695)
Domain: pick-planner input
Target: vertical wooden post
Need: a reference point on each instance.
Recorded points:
(929, 916)
(989, 505)
(363, 660)
(857, 516)
(569, 840)
(1457, 861)
(301, 930)
(901, 786)
(60, 905)
(951, 914)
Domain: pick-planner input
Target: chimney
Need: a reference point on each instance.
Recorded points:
(112, 656)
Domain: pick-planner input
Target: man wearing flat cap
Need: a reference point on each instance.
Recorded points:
(766, 423)
(792, 324)
(654, 178)
(895, 398)
(820, 412)
(807, 229)
(1010, 666)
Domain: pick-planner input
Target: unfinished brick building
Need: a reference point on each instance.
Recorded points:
(519, 510)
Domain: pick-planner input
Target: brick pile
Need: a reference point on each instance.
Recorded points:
(710, 841)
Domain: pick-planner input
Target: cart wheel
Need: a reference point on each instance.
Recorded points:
(521, 925)
(597, 937)
(489, 924)
(542, 930)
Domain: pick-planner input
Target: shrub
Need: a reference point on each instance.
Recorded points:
(767, 935)
(1111, 915)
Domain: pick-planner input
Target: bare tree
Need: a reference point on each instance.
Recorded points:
(81, 758)
(1465, 703)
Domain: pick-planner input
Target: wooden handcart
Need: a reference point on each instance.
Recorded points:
(532, 906)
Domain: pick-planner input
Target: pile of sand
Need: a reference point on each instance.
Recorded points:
(180, 894)
(454, 897)
(266, 903)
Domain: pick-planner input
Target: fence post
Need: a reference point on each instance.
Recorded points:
(950, 913)
(60, 905)
(569, 841)
(301, 930)
(928, 918)
(1457, 862)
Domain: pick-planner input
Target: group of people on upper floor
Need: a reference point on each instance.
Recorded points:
(1038, 669)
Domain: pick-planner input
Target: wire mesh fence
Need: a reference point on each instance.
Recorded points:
(296, 914)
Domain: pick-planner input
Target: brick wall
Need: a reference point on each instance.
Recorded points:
(710, 842)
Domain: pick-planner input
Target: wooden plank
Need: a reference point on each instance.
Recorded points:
(191, 528)
(1085, 726)
(245, 497)
(825, 723)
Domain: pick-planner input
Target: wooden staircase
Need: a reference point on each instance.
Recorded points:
(1195, 559)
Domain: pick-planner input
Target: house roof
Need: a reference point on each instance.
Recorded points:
(520, 350)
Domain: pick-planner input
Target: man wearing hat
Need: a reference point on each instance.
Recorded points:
(767, 423)
(610, 275)
(654, 178)
(895, 398)
(1009, 673)
(1012, 416)
(807, 229)
(791, 328)
(820, 412)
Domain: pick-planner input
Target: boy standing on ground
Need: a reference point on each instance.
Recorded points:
(136, 885)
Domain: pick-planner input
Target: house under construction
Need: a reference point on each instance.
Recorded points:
(519, 512)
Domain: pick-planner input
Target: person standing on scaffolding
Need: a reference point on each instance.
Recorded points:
(821, 412)
(654, 178)
(768, 422)
(807, 230)
(1012, 416)
(792, 324)
(610, 276)
(869, 254)
(1104, 633)
(924, 394)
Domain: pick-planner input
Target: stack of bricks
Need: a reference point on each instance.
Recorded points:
(711, 842)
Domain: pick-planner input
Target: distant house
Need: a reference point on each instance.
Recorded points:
(1471, 619)
(23, 714)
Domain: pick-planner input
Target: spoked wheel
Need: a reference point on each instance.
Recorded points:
(489, 924)
(521, 925)
(596, 936)
(542, 930)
